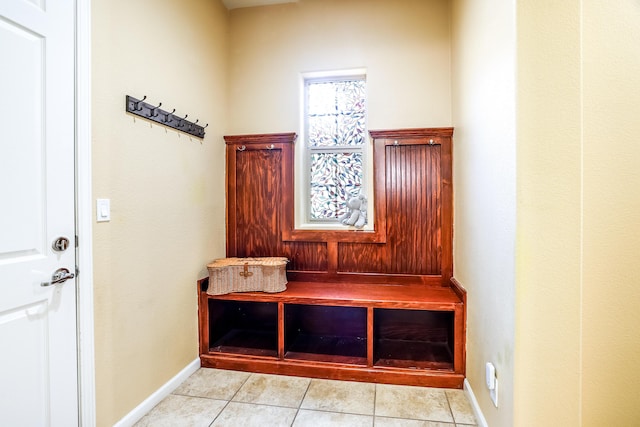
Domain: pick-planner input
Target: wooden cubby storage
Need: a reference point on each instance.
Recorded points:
(400, 334)
(243, 327)
(325, 333)
(375, 305)
(414, 338)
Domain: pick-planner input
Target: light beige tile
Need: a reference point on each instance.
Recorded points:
(340, 396)
(274, 390)
(460, 407)
(213, 383)
(419, 403)
(238, 414)
(182, 411)
(404, 422)
(399, 422)
(307, 418)
(437, 424)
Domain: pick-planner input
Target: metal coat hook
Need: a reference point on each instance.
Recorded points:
(155, 114)
(139, 102)
(166, 117)
(153, 110)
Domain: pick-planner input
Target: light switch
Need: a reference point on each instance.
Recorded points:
(103, 210)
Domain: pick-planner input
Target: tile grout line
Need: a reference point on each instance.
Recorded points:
(326, 411)
(229, 401)
(300, 404)
(453, 417)
(375, 402)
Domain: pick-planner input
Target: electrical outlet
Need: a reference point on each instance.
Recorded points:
(490, 375)
(493, 394)
(492, 382)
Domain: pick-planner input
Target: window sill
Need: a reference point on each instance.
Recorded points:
(341, 236)
(319, 226)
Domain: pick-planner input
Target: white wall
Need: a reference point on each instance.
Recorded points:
(484, 95)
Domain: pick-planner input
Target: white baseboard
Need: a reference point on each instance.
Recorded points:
(141, 410)
(482, 422)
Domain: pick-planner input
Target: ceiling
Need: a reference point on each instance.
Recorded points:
(235, 4)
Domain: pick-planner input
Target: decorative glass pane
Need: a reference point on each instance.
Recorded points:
(323, 131)
(335, 178)
(350, 96)
(322, 98)
(335, 113)
(350, 129)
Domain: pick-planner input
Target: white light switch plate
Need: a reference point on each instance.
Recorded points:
(103, 210)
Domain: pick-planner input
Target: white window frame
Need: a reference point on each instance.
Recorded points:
(303, 158)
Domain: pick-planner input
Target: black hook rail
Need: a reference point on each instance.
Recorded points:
(154, 113)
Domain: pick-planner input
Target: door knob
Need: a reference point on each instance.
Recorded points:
(61, 275)
(60, 244)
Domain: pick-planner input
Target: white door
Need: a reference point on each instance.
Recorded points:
(38, 350)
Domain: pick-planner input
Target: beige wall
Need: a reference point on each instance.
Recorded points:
(548, 266)
(543, 96)
(404, 44)
(166, 189)
(611, 213)
(483, 70)
(578, 213)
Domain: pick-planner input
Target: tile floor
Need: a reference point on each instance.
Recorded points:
(214, 397)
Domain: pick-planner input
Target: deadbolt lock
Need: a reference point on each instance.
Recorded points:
(60, 244)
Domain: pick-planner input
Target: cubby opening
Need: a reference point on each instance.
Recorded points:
(326, 333)
(241, 327)
(419, 339)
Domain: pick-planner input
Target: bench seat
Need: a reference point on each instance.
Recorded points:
(398, 334)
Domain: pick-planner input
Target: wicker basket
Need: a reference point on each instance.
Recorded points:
(228, 275)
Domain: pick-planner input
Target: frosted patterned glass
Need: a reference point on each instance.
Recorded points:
(335, 113)
(335, 178)
(350, 129)
(323, 131)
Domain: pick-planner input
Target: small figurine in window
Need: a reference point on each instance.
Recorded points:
(356, 214)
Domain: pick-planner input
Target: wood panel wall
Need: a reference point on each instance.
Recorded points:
(412, 240)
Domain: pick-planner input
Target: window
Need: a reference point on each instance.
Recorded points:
(335, 146)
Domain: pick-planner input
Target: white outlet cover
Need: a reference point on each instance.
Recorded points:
(493, 394)
(490, 375)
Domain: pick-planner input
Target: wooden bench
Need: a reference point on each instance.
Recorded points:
(400, 334)
(340, 317)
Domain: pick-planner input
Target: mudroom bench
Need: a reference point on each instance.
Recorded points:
(378, 304)
(402, 334)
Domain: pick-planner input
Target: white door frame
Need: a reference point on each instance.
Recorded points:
(85, 332)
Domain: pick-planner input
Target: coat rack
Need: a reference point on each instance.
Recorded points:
(154, 113)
